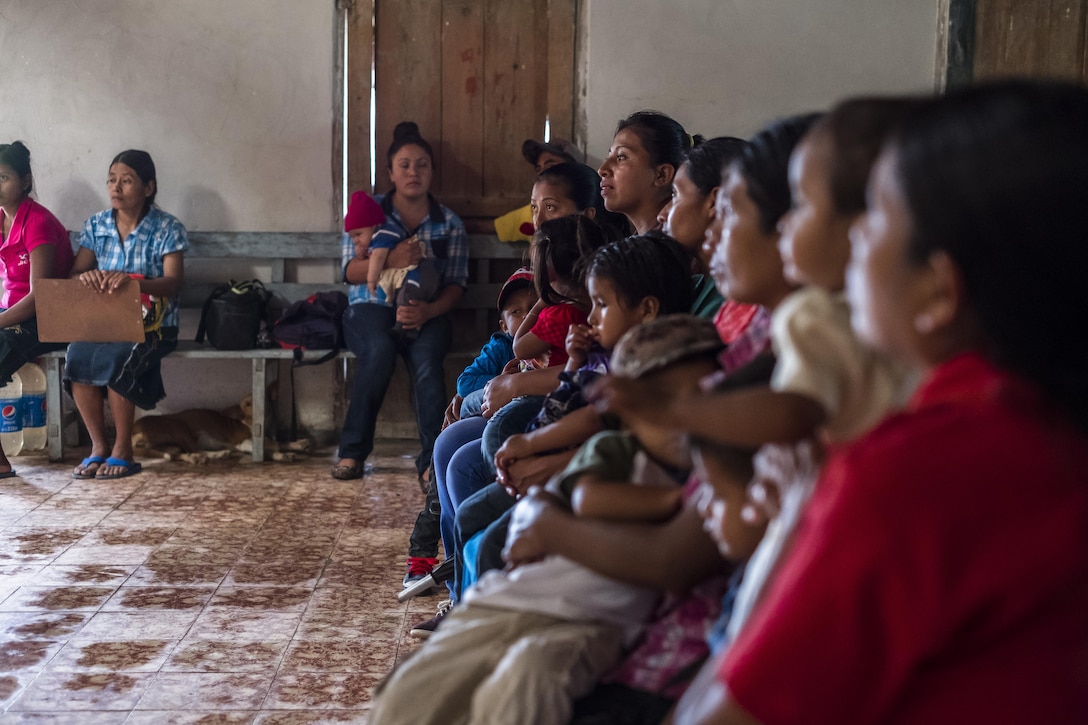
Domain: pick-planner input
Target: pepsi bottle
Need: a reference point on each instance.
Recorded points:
(11, 416)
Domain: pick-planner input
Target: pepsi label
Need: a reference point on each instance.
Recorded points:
(34, 411)
(11, 419)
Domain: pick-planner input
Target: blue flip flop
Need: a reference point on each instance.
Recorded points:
(9, 474)
(89, 461)
(131, 469)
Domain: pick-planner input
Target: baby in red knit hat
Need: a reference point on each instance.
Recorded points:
(365, 223)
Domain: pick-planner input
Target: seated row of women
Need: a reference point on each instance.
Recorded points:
(859, 494)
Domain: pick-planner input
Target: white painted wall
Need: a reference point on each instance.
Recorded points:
(726, 67)
(235, 101)
(232, 98)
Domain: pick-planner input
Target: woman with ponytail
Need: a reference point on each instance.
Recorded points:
(33, 245)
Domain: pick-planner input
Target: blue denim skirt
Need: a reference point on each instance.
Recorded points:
(133, 371)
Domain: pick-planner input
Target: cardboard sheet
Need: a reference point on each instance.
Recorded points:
(70, 311)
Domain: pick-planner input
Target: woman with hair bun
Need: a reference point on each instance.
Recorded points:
(637, 174)
(33, 245)
(424, 331)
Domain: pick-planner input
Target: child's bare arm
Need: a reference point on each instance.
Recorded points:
(527, 345)
(594, 497)
(572, 429)
(378, 259)
(746, 417)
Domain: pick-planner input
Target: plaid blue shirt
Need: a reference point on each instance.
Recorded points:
(442, 232)
(157, 235)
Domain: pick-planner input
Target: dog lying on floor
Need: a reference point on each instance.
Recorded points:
(200, 435)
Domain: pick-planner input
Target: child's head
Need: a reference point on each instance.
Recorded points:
(516, 298)
(728, 512)
(564, 189)
(754, 196)
(827, 175)
(673, 353)
(363, 217)
(973, 239)
(689, 212)
(635, 280)
(560, 251)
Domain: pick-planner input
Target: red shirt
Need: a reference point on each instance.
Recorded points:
(733, 319)
(552, 325)
(940, 574)
(33, 226)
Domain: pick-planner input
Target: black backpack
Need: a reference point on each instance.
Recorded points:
(312, 323)
(233, 314)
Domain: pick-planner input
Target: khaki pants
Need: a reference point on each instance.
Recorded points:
(497, 667)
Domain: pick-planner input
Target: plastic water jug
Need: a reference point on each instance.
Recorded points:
(11, 416)
(33, 379)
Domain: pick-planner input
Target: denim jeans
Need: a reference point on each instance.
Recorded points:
(510, 419)
(368, 332)
(486, 512)
(463, 432)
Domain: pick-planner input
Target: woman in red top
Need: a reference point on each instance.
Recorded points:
(941, 571)
(33, 246)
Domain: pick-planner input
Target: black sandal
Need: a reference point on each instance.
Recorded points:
(348, 473)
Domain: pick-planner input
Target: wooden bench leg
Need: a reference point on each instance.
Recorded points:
(259, 367)
(54, 425)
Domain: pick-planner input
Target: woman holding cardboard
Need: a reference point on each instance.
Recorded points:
(134, 239)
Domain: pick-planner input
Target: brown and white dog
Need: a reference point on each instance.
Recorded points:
(200, 435)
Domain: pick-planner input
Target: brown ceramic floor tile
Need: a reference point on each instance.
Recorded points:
(90, 553)
(372, 655)
(42, 624)
(195, 575)
(78, 717)
(124, 656)
(110, 626)
(83, 574)
(199, 717)
(225, 656)
(141, 598)
(206, 691)
(283, 572)
(277, 599)
(243, 625)
(339, 625)
(232, 593)
(32, 599)
(321, 691)
(27, 655)
(311, 717)
(83, 691)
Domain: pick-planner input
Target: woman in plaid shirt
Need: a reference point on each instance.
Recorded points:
(424, 331)
(134, 239)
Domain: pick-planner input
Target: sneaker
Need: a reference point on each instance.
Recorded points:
(419, 567)
(427, 585)
(423, 630)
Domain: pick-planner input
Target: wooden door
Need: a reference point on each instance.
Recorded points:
(478, 76)
(1000, 38)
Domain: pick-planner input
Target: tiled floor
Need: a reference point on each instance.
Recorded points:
(229, 593)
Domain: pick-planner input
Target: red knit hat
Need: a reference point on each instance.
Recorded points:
(363, 212)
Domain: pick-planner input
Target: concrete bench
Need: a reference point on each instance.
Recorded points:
(292, 266)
